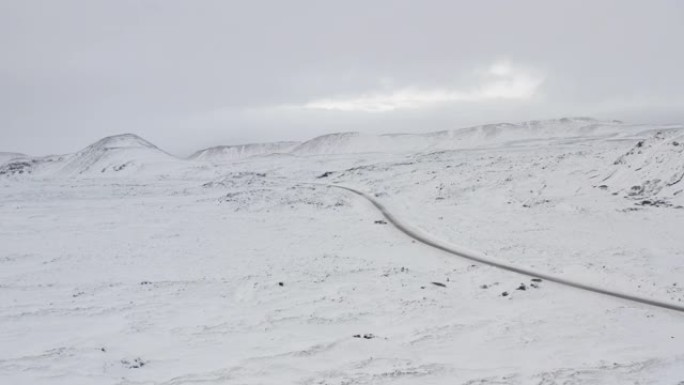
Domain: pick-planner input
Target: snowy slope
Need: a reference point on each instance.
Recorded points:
(221, 154)
(252, 272)
(652, 170)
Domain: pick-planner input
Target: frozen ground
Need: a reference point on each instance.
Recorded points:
(121, 264)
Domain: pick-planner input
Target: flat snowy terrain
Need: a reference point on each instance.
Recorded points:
(122, 264)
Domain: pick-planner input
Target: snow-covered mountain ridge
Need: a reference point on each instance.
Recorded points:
(653, 169)
(341, 142)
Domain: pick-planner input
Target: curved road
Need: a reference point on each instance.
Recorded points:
(429, 240)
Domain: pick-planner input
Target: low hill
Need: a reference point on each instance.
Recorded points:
(120, 154)
(221, 154)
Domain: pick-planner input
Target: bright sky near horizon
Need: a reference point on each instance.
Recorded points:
(187, 75)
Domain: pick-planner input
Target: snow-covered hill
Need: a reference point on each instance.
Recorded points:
(354, 142)
(13, 163)
(508, 133)
(125, 154)
(469, 137)
(222, 154)
(117, 154)
(651, 171)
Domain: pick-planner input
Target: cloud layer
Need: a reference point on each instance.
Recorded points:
(500, 82)
(190, 74)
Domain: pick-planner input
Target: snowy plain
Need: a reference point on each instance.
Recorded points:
(122, 264)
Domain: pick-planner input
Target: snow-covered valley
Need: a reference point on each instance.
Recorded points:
(123, 264)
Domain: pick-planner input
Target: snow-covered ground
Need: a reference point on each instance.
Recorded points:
(122, 264)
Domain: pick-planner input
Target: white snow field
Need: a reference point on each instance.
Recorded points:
(122, 264)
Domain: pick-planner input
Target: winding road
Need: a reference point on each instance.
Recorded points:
(429, 240)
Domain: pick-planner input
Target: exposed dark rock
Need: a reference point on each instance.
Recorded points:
(367, 336)
(137, 363)
(654, 203)
(16, 168)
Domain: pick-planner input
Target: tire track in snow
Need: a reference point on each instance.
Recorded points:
(429, 240)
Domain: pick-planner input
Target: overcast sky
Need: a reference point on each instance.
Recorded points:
(190, 74)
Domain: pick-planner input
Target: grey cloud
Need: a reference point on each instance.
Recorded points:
(186, 74)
